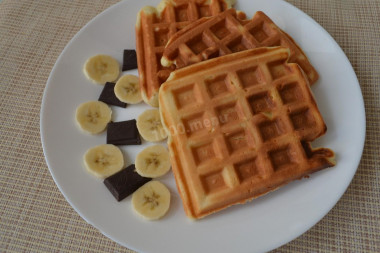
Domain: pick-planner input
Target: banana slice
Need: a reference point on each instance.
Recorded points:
(93, 116)
(127, 89)
(103, 160)
(153, 161)
(150, 126)
(152, 200)
(101, 69)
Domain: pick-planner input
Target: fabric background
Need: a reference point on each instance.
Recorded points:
(35, 217)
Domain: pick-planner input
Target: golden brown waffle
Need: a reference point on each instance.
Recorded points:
(239, 126)
(225, 34)
(154, 27)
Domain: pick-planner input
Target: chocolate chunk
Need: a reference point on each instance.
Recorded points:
(129, 60)
(123, 133)
(108, 96)
(125, 182)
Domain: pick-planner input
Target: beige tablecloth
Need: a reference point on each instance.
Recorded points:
(34, 216)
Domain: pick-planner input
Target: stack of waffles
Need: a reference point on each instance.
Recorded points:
(234, 97)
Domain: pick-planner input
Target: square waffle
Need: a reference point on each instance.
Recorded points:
(226, 33)
(239, 126)
(154, 27)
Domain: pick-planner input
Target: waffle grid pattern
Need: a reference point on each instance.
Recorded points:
(242, 126)
(226, 34)
(156, 29)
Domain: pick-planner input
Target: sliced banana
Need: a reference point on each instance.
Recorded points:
(127, 89)
(150, 126)
(103, 160)
(152, 200)
(101, 69)
(93, 116)
(153, 161)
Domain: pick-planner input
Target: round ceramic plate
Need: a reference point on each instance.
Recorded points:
(261, 225)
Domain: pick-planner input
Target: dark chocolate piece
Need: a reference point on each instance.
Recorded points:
(125, 182)
(123, 133)
(129, 59)
(108, 96)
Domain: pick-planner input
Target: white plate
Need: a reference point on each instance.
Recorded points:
(261, 225)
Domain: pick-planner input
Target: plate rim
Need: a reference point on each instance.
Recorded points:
(114, 6)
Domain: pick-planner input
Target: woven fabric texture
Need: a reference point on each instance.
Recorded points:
(34, 215)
